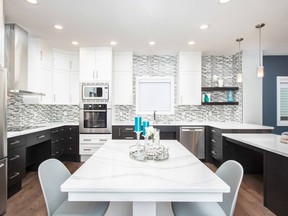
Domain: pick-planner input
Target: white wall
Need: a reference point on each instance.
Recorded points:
(252, 88)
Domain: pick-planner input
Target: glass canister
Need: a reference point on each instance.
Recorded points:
(230, 96)
(284, 137)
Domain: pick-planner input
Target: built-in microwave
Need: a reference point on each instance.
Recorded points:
(95, 91)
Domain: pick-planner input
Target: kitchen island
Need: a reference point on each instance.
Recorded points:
(111, 175)
(262, 153)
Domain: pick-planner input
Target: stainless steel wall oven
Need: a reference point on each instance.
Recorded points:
(95, 118)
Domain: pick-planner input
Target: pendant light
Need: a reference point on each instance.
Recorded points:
(239, 74)
(260, 68)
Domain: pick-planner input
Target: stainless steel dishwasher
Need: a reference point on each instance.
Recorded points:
(193, 138)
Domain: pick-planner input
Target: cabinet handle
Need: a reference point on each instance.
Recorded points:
(54, 97)
(213, 131)
(86, 139)
(86, 149)
(41, 137)
(213, 140)
(56, 131)
(41, 55)
(128, 129)
(70, 98)
(119, 132)
(103, 140)
(15, 142)
(15, 175)
(1, 165)
(129, 138)
(181, 99)
(213, 152)
(93, 74)
(70, 65)
(96, 74)
(15, 157)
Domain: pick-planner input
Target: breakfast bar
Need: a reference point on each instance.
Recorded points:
(111, 175)
(262, 153)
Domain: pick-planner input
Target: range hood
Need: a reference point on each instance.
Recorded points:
(16, 60)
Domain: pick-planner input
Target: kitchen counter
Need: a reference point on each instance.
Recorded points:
(41, 127)
(268, 142)
(220, 125)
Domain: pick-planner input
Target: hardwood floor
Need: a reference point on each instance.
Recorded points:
(30, 202)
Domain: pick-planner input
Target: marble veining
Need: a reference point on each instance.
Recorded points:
(111, 169)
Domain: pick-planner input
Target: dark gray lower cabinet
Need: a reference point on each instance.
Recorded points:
(127, 132)
(16, 164)
(214, 142)
(27, 152)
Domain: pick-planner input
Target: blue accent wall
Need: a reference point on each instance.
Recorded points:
(274, 66)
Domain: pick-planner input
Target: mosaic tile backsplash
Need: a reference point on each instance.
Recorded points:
(22, 115)
(225, 67)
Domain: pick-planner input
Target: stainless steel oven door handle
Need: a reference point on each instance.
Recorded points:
(1, 165)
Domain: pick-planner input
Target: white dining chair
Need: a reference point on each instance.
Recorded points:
(230, 172)
(52, 173)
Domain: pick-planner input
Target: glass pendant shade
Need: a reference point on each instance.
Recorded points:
(260, 71)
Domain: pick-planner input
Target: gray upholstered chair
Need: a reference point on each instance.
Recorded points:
(230, 172)
(52, 173)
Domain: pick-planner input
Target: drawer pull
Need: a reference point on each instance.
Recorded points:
(1, 165)
(15, 157)
(15, 175)
(128, 129)
(55, 131)
(213, 152)
(86, 149)
(129, 138)
(213, 141)
(103, 140)
(213, 131)
(15, 142)
(86, 139)
(41, 137)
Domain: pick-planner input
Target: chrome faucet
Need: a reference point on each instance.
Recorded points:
(154, 115)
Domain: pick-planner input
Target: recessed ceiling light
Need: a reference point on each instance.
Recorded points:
(224, 1)
(204, 26)
(59, 27)
(191, 43)
(152, 43)
(32, 1)
(75, 43)
(113, 43)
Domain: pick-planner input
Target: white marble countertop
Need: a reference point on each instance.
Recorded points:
(41, 127)
(111, 171)
(268, 142)
(220, 125)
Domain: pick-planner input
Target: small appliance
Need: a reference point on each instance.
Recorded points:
(92, 91)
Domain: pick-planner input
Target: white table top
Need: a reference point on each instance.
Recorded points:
(269, 142)
(112, 175)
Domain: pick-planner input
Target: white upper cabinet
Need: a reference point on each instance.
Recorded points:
(40, 69)
(189, 78)
(65, 77)
(123, 78)
(190, 61)
(95, 64)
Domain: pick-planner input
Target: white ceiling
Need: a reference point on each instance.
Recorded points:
(171, 23)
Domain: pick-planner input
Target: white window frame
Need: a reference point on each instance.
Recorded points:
(280, 79)
(155, 79)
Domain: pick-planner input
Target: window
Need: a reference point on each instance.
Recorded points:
(282, 101)
(155, 94)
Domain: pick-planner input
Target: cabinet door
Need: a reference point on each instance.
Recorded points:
(123, 61)
(61, 86)
(45, 55)
(1, 35)
(189, 61)
(189, 88)
(46, 83)
(74, 62)
(74, 87)
(104, 65)
(61, 60)
(123, 88)
(87, 66)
